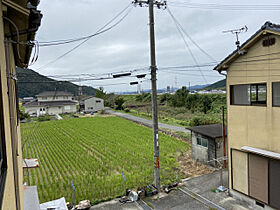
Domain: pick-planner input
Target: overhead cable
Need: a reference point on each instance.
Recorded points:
(101, 30)
(224, 6)
(186, 44)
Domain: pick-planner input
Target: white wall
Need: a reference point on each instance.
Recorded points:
(92, 105)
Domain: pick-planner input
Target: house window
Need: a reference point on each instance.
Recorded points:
(249, 94)
(201, 141)
(276, 94)
(65, 97)
(98, 101)
(258, 94)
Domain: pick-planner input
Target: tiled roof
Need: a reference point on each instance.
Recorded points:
(50, 103)
(212, 131)
(54, 93)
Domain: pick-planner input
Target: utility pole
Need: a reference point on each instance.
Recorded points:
(224, 136)
(151, 4)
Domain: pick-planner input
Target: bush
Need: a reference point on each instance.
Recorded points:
(196, 121)
(144, 97)
(119, 103)
(126, 110)
(44, 118)
(23, 116)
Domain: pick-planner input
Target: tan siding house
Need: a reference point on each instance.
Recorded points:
(13, 13)
(253, 118)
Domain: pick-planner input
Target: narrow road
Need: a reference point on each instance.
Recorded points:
(146, 122)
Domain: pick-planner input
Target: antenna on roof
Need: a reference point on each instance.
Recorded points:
(237, 32)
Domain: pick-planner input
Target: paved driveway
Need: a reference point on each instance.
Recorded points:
(146, 122)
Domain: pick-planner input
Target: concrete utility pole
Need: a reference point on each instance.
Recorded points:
(151, 4)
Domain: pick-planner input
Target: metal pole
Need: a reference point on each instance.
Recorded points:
(154, 96)
(224, 136)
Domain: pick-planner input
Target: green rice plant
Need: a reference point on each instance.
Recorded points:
(93, 152)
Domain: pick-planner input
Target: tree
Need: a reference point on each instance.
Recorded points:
(180, 97)
(206, 103)
(192, 102)
(100, 93)
(119, 103)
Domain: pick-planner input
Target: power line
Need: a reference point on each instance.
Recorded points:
(66, 41)
(101, 30)
(180, 32)
(190, 38)
(224, 6)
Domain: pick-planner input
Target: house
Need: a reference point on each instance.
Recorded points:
(207, 143)
(91, 104)
(19, 21)
(253, 117)
(51, 103)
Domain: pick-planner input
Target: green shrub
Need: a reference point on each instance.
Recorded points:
(202, 120)
(44, 118)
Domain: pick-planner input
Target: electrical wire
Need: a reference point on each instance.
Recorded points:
(88, 38)
(223, 6)
(186, 44)
(17, 31)
(190, 38)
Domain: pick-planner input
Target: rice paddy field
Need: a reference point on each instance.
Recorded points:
(92, 152)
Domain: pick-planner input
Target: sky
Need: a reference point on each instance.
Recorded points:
(126, 46)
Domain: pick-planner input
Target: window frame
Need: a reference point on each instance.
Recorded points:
(201, 139)
(258, 103)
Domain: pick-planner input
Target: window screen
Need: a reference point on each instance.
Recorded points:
(240, 94)
(276, 93)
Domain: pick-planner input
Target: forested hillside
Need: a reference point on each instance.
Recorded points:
(31, 83)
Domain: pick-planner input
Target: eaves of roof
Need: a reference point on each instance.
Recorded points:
(268, 27)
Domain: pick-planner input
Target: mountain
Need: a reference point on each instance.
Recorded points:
(220, 85)
(31, 83)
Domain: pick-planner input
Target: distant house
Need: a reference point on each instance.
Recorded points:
(91, 104)
(207, 143)
(52, 103)
(26, 100)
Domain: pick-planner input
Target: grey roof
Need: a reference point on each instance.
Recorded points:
(49, 103)
(89, 97)
(54, 93)
(212, 131)
(267, 26)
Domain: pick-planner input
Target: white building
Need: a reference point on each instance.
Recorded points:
(92, 104)
(52, 103)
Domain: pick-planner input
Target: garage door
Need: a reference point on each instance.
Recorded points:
(274, 183)
(258, 177)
